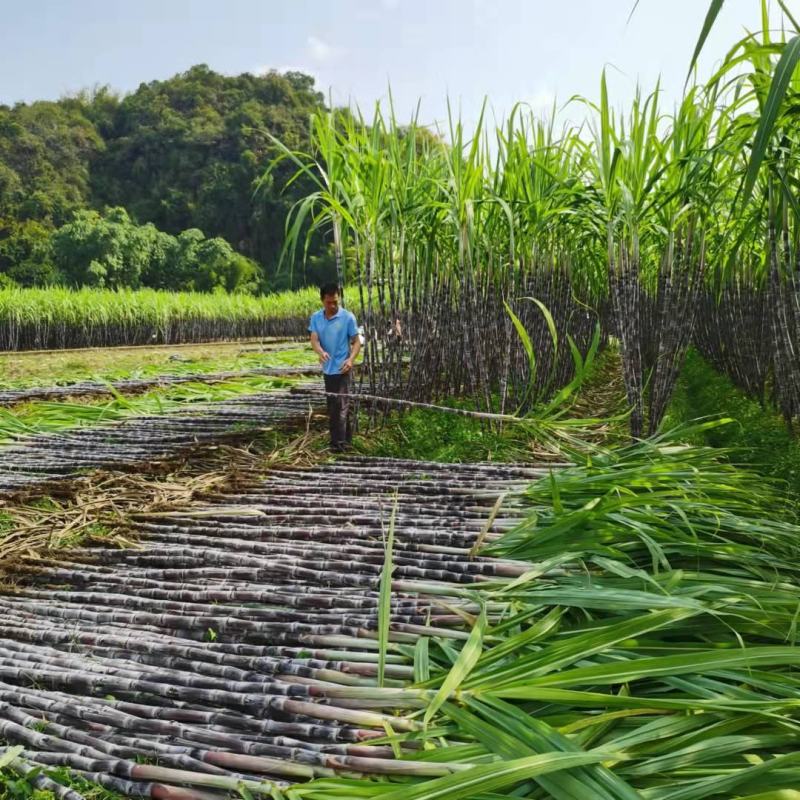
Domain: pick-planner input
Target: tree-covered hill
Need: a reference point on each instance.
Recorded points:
(181, 154)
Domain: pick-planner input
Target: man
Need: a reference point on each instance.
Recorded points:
(334, 338)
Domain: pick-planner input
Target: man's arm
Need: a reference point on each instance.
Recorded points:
(317, 348)
(355, 349)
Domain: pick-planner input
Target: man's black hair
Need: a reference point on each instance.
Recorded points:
(329, 288)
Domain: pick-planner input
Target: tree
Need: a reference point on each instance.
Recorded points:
(186, 153)
(108, 251)
(45, 155)
(183, 153)
(26, 256)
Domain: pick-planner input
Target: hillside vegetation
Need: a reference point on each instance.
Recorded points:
(177, 159)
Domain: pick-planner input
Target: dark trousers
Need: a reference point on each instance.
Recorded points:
(338, 409)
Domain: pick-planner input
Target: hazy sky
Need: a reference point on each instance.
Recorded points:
(509, 50)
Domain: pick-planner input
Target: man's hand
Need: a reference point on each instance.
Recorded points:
(347, 366)
(323, 357)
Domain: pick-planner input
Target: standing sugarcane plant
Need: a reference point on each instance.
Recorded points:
(627, 161)
(442, 235)
(674, 228)
(751, 327)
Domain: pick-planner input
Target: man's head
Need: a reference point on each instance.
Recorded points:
(329, 294)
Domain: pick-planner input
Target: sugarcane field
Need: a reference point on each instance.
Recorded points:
(400, 401)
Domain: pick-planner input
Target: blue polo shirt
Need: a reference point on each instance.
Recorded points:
(334, 336)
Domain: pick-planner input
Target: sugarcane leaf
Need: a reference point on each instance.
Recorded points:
(422, 666)
(468, 784)
(558, 507)
(347, 788)
(467, 658)
(487, 526)
(392, 737)
(530, 734)
(716, 784)
(497, 736)
(789, 16)
(637, 669)
(577, 358)
(708, 23)
(769, 113)
(385, 609)
(244, 792)
(551, 323)
(525, 339)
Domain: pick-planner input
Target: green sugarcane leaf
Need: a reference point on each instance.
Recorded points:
(769, 114)
(709, 748)
(715, 785)
(789, 16)
(422, 666)
(577, 358)
(244, 792)
(605, 700)
(347, 788)
(468, 785)
(708, 24)
(527, 345)
(385, 609)
(498, 736)
(558, 506)
(551, 323)
(463, 665)
(536, 735)
(638, 669)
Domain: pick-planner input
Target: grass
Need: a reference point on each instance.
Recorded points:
(758, 438)
(17, 787)
(24, 370)
(434, 436)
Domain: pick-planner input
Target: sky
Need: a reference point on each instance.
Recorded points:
(509, 51)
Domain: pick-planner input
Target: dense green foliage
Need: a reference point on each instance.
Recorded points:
(46, 152)
(109, 251)
(433, 436)
(182, 154)
(758, 438)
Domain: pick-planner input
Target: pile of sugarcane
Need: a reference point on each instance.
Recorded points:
(342, 629)
(641, 220)
(240, 644)
(49, 458)
(130, 385)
